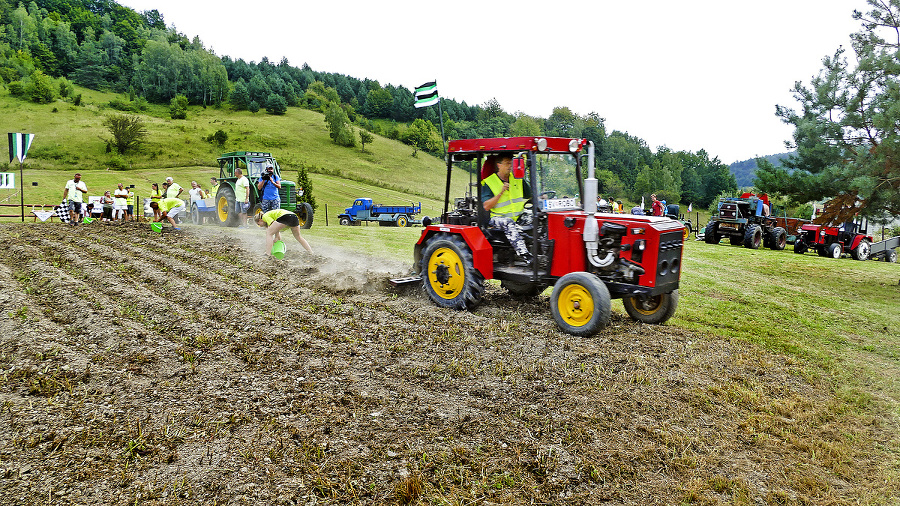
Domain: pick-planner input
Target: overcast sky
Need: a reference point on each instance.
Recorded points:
(688, 74)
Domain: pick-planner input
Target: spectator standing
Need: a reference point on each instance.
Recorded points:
(656, 207)
(132, 203)
(120, 202)
(107, 202)
(242, 196)
(269, 184)
(155, 196)
(213, 187)
(196, 192)
(73, 195)
(174, 189)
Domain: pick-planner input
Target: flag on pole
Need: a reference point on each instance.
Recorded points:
(642, 201)
(18, 146)
(690, 207)
(426, 95)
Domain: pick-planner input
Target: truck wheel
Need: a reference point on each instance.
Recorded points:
(521, 289)
(861, 251)
(225, 207)
(835, 250)
(800, 247)
(402, 221)
(580, 304)
(752, 237)
(304, 211)
(345, 221)
(651, 309)
(712, 233)
(195, 215)
(449, 274)
(778, 240)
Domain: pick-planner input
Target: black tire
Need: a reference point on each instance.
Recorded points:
(861, 251)
(890, 256)
(305, 213)
(651, 309)
(835, 250)
(402, 221)
(344, 221)
(580, 304)
(449, 274)
(196, 219)
(257, 208)
(225, 213)
(521, 289)
(778, 240)
(800, 246)
(752, 237)
(822, 250)
(711, 236)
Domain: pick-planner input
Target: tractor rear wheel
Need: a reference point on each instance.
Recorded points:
(449, 274)
(752, 237)
(800, 246)
(711, 236)
(580, 304)
(225, 212)
(861, 251)
(304, 211)
(835, 250)
(778, 240)
(654, 309)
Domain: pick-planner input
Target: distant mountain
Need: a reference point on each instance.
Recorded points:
(745, 171)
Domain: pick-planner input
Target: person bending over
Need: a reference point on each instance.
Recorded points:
(274, 222)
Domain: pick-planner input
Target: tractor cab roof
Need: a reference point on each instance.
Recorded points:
(467, 149)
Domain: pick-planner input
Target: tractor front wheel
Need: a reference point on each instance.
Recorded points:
(304, 211)
(580, 304)
(861, 251)
(449, 274)
(654, 309)
(778, 240)
(752, 237)
(835, 250)
(800, 246)
(711, 235)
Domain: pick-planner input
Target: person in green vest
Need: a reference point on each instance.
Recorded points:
(169, 208)
(505, 197)
(274, 222)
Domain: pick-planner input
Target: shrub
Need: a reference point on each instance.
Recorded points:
(178, 107)
(276, 104)
(16, 88)
(220, 137)
(254, 106)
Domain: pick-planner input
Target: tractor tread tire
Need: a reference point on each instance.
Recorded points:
(654, 310)
(448, 255)
(565, 304)
(752, 236)
(778, 239)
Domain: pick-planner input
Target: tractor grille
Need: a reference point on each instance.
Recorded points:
(668, 266)
(288, 195)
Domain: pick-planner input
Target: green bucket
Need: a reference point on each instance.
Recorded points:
(156, 227)
(278, 249)
(87, 220)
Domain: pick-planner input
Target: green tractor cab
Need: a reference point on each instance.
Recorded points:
(252, 164)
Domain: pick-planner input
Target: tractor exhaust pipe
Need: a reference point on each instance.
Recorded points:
(591, 232)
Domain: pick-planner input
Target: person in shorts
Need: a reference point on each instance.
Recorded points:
(269, 184)
(241, 196)
(274, 222)
(73, 196)
(169, 208)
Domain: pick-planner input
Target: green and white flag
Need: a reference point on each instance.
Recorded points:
(427, 95)
(18, 146)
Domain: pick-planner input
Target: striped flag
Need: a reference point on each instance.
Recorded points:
(427, 95)
(18, 146)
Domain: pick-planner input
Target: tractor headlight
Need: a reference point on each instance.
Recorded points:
(574, 145)
(541, 144)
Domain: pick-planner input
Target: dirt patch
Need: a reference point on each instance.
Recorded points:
(185, 367)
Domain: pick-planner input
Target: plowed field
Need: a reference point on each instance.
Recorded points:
(186, 367)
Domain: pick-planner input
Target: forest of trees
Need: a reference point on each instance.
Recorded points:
(46, 45)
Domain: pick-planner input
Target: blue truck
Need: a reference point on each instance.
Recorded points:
(364, 210)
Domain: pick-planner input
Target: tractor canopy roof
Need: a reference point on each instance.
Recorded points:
(463, 149)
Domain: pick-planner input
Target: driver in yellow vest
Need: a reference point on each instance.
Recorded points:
(505, 197)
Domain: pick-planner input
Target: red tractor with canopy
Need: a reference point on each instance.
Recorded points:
(586, 256)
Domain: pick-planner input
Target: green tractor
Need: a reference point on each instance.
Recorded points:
(252, 164)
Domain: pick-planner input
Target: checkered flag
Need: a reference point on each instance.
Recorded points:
(62, 212)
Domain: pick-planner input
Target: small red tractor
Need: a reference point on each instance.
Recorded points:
(833, 242)
(586, 256)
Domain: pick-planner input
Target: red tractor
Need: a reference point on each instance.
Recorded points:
(587, 257)
(835, 241)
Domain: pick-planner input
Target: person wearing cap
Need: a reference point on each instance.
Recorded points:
(274, 222)
(169, 208)
(174, 189)
(269, 184)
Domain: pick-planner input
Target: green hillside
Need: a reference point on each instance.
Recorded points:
(745, 171)
(72, 138)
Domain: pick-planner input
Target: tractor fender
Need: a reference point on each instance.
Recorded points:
(858, 239)
(482, 251)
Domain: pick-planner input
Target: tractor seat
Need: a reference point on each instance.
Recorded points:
(496, 237)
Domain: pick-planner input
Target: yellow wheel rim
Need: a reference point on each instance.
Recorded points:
(446, 273)
(576, 306)
(222, 209)
(685, 233)
(653, 303)
(401, 222)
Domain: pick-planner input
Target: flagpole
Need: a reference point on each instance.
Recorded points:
(22, 190)
(441, 115)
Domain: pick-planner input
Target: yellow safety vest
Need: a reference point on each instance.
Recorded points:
(512, 202)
